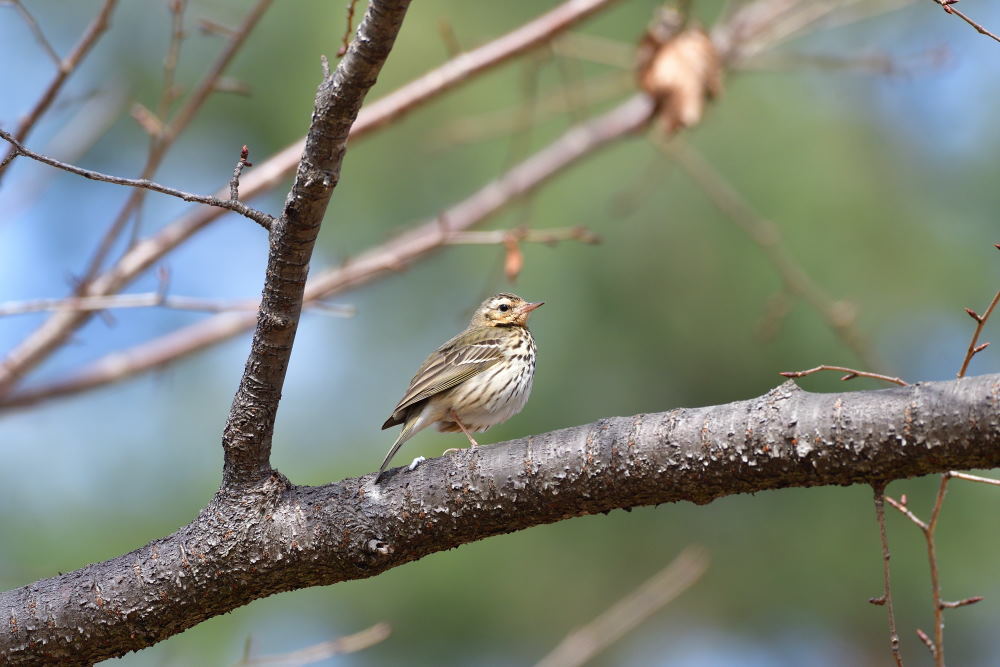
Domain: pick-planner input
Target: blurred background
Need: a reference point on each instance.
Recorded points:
(869, 143)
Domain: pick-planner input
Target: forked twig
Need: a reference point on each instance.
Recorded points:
(851, 374)
(975, 347)
(886, 597)
(928, 528)
(263, 219)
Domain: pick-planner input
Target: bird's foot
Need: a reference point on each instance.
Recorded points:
(452, 450)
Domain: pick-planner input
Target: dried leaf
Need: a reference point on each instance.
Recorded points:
(680, 69)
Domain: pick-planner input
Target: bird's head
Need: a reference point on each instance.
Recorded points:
(503, 310)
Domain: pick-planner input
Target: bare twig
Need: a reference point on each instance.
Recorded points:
(962, 603)
(66, 67)
(596, 49)
(974, 478)
(261, 218)
(169, 91)
(929, 528)
(501, 122)
(346, 39)
(36, 30)
(41, 343)
(359, 641)
(150, 300)
(581, 645)
(840, 316)
(935, 645)
(974, 346)
(523, 234)
(142, 300)
(886, 597)
(851, 374)
(234, 182)
(949, 8)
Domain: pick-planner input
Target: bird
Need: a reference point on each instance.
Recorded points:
(479, 378)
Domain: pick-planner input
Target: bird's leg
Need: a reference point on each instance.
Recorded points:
(472, 441)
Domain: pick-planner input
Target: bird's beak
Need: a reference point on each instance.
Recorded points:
(528, 307)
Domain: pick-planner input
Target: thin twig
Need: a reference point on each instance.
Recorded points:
(345, 41)
(840, 316)
(949, 8)
(522, 234)
(36, 30)
(263, 219)
(974, 346)
(935, 575)
(150, 300)
(169, 91)
(234, 182)
(348, 644)
(929, 528)
(851, 374)
(974, 478)
(66, 67)
(581, 645)
(905, 511)
(886, 597)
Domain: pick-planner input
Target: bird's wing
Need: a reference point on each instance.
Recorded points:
(465, 355)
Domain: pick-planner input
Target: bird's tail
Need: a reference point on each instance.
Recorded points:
(404, 435)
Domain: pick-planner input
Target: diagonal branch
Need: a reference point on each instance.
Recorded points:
(284, 537)
(250, 424)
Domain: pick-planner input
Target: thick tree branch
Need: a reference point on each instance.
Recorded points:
(278, 537)
(250, 425)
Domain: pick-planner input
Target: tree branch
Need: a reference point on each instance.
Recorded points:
(250, 424)
(278, 537)
(232, 204)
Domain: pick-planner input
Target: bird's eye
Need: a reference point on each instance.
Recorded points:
(503, 307)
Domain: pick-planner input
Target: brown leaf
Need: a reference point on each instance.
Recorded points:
(680, 69)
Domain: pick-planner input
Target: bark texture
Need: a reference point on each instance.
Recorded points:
(255, 541)
(250, 425)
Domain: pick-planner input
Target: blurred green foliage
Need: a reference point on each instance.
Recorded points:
(893, 217)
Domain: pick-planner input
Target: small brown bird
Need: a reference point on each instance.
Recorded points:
(479, 378)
